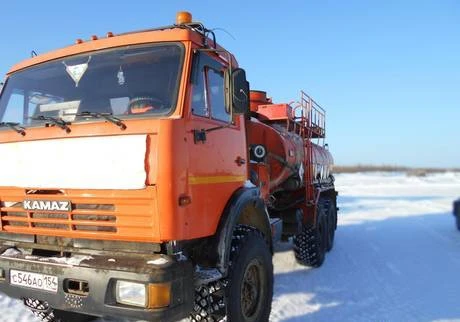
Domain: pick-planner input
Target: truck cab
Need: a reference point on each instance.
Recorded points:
(128, 110)
(138, 182)
(114, 149)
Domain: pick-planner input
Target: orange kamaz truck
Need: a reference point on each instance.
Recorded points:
(142, 178)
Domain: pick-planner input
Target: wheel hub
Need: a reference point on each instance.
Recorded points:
(251, 289)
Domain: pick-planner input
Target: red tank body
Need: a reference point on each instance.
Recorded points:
(292, 167)
(292, 160)
(287, 155)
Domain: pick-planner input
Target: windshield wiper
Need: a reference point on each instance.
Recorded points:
(14, 126)
(57, 121)
(108, 116)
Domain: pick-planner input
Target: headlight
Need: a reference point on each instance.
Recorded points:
(152, 296)
(130, 293)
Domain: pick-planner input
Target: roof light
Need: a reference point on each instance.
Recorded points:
(183, 17)
(93, 37)
(109, 34)
(78, 41)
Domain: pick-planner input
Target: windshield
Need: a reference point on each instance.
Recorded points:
(126, 82)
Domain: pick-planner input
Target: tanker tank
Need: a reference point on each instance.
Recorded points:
(276, 141)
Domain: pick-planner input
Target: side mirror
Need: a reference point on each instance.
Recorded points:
(240, 92)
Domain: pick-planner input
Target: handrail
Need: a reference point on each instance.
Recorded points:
(313, 116)
(314, 126)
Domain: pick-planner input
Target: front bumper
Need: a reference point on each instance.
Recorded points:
(101, 273)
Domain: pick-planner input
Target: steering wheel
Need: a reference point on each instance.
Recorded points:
(144, 104)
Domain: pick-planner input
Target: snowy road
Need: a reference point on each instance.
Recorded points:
(396, 257)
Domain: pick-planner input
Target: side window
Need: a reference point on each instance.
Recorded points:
(208, 91)
(199, 101)
(216, 95)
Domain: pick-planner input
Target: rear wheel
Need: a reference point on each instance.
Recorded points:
(310, 244)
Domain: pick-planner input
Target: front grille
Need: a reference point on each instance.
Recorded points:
(123, 215)
(98, 219)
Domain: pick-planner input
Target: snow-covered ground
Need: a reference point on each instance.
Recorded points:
(396, 257)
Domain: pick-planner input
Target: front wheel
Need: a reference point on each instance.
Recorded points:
(250, 280)
(245, 295)
(43, 311)
(65, 316)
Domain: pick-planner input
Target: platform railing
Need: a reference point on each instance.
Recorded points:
(314, 115)
(312, 119)
(309, 118)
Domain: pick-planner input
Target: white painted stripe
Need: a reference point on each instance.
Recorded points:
(111, 162)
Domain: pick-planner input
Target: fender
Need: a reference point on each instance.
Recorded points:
(245, 207)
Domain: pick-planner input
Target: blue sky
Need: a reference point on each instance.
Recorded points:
(387, 72)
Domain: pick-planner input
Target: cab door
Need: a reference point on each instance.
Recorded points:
(217, 164)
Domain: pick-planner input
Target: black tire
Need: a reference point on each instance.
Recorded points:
(43, 311)
(40, 309)
(249, 291)
(332, 224)
(209, 302)
(222, 300)
(65, 316)
(310, 244)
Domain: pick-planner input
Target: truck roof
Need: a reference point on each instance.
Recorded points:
(168, 34)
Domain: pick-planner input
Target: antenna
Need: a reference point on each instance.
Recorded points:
(222, 29)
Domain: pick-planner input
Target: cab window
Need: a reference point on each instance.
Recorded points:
(216, 95)
(15, 111)
(208, 93)
(199, 101)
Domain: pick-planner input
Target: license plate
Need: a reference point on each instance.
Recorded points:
(34, 280)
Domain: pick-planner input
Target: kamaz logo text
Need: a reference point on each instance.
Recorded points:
(47, 205)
